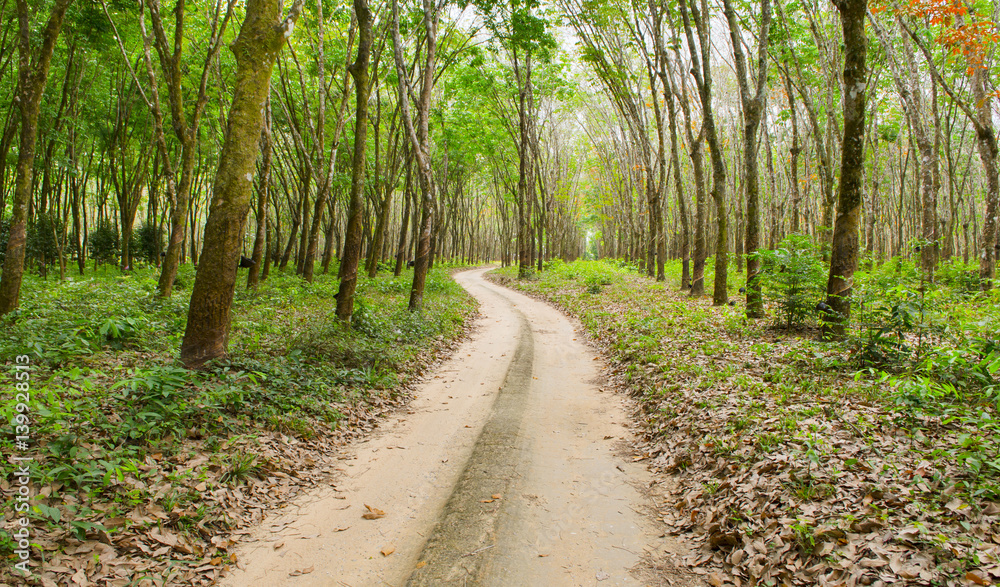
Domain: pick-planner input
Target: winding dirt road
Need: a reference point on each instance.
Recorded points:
(505, 470)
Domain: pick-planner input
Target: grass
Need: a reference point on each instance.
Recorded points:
(120, 431)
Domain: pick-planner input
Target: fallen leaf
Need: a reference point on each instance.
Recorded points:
(496, 496)
(305, 571)
(421, 564)
(388, 550)
(976, 578)
(372, 513)
(80, 578)
(279, 544)
(164, 537)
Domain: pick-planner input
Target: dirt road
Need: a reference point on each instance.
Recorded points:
(504, 471)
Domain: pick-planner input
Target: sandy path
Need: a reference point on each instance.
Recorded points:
(517, 414)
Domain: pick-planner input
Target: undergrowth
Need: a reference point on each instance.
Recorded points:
(116, 423)
(792, 453)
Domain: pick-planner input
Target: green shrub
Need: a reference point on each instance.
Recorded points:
(793, 277)
(964, 278)
(103, 243)
(41, 246)
(594, 282)
(147, 242)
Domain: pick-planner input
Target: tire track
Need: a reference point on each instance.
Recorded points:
(456, 550)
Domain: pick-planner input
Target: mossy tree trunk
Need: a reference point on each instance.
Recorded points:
(845, 247)
(352, 240)
(256, 48)
(33, 72)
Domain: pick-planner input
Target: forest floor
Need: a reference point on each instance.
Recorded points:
(659, 440)
(511, 466)
(144, 473)
(782, 461)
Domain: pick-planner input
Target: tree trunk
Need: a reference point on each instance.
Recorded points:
(418, 134)
(268, 256)
(261, 37)
(753, 107)
(352, 241)
(524, 169)
(986, 144)
(33, 72)
(700, 56)
(844, 250)
(170, 56)
(381, 226)
(312, 246)
(403, 225)
(793, 153)
(293, 233)
(263, 190)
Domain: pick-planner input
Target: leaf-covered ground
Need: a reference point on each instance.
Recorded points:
(147, 474)
(787, 462)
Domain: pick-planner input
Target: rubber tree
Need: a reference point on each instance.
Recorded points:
(33, 73)
(184, 121)
(702, 71)
(662, 61)
(795, 67)
(524, 36)
(606, 53)
(352, 242)
(923, 126)
(846, 230)
(325, 168)
(753, 109)
(261, 37)
(418, 134)
(695, 146)
(261, 257)
(979, 110)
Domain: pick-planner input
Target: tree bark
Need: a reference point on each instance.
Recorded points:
(256, 47)
(419, 136)
(845, 247)
(793, 153)
(404, 222)
(524, 166)
(312, 246)
(981, 116)
(702, 70)
(753, 107)
(263, 191)
(185, 129)
(906, 78)
(352, 241)
(33, 73)
(986, 145)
